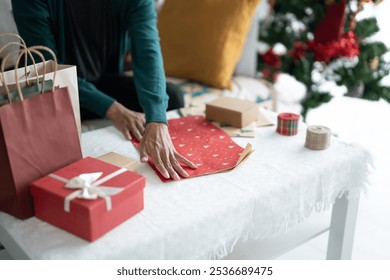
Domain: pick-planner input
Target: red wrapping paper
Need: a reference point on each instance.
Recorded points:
(204, 144)
(88, 219)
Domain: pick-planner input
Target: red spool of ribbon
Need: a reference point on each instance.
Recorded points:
(287, 124)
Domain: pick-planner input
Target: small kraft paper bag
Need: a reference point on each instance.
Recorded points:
(38, 135)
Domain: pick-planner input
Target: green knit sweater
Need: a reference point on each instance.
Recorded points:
(41, 22)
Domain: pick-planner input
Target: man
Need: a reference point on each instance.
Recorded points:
(93, 35)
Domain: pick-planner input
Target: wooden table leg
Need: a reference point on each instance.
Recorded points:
(342, 228)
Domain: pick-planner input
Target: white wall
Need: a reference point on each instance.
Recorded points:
(7, 25)
(248, 62)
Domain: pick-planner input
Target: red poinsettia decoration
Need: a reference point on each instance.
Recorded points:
(270, 74)
(270, 58)
(346, 46)
(298, 51)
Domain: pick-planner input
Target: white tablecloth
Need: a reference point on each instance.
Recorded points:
(279, 185)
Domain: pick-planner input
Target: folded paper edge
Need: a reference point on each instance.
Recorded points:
(245, 154)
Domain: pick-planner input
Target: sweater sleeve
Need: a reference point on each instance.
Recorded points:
(93, 99)
(34, 21)
(149, 76)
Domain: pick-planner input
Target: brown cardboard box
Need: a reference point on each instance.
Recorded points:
(120, 161)
(232, 111)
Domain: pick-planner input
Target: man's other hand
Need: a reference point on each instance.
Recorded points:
(126, 121)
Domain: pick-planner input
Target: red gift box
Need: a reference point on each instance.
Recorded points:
(113, 196)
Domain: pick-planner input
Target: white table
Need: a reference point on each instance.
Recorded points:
(280, 185)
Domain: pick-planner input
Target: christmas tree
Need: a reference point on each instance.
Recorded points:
(323, 41)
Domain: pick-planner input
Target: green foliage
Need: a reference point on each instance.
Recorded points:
(366, 27)
(295, 21)
(307, 11)
(280, 28)
(366, 72)
(278, 31)
(302, 70)
(313, 100)
(372, 50)
(384, 92)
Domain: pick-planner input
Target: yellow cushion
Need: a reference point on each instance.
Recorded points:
(202, 40)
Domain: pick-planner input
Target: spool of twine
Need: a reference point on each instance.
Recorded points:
(287, 124)
(317, 137)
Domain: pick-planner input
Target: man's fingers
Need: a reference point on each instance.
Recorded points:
(136, 133)
(178, 168)
(160, 165)
(172, 171)
(143, 154)
(141, 127)
(126, 134)
(184, 160)
(127, 121)
(157, 142)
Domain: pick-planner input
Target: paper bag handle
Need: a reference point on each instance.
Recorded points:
(36, 49)
(13, 35)
(2, 76)
(22, 43)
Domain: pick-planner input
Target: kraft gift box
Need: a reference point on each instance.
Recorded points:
(120, 161)
(232, 111)
(114, 195)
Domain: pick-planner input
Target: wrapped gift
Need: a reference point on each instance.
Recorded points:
(232, 111)
(88, 198)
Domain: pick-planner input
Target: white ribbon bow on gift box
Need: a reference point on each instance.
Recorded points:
(89, 188)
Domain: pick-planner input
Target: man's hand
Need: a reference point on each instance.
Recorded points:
(126, 121)
(157, 143)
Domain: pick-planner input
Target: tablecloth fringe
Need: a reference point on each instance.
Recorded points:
(358, 184)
